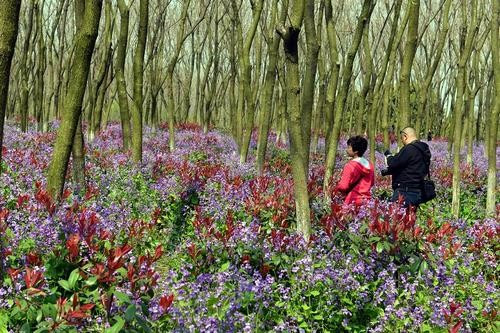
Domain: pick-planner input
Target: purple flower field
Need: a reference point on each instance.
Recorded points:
(193, 241)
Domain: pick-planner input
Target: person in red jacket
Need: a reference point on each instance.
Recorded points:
(358, 175)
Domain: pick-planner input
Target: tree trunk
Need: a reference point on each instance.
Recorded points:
(121, 85)
(309, 81)
(9, 21)
(320, 103)
(170, 73)
(409, 54)
(466, 39)
(138, 65)
(78, 154)
(388, 82)
(85, 41)
(363, 20)
(438, 51)
(269, 86)
(290, 37)
(334, 72)
(492, 147)
(24, 68)
(245, 70)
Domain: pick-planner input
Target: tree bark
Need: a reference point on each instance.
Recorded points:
(78, 154)
(121, 84)
(309, 82)
(492, 147)
(9, 21)
(467, 36)
(84, 46)
(363, 20)
(138, 68)
(334, 72)
(24, 68)
(290, 37)
(246, 79)
(269, 85)
(409, 55)
(438, 51)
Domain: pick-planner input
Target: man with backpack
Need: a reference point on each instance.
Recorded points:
(408, 169)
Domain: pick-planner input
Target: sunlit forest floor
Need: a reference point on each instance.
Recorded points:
(193, 241)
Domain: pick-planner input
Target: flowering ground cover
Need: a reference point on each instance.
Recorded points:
(192, 241)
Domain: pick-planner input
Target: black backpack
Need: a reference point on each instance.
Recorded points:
(428, 186)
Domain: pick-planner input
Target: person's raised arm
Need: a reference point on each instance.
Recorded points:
(399, 160)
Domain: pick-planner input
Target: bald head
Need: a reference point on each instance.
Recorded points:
(408, 135)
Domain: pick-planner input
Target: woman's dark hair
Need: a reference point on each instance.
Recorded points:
(358, 144)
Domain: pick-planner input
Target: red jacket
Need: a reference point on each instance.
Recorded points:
(357, 180)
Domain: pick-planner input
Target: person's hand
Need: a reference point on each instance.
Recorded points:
(384, 172)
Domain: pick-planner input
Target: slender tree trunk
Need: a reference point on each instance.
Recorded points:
(309, 82)
(138, 66)
(409, 55)
(85, 41)
(121, 84)
(467, 36)
(334, 72)
(245, 70)
(438, 51)
(9, 21)
(492, 147)
(320, 103)
(388, 82)
(78, 155)
(212, 90)
(470, 125)
(269, 86)
(363, 20)
(170, 73)
(24, 68)
(290, 37)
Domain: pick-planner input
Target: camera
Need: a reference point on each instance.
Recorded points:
(384, 172)
(387, 153)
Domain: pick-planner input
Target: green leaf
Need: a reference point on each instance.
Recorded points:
(122, 271)
(64, 284)
(39, 315)
(305, 307)
(117, 326)
(26, 328)
(279, 304)
(423, 267)
(144, 325)
(122, 296)
(318, 317)
(315, 293)
(380, 247)
(224, 267)
(73, 278)
(130, 313)
(49, 310)
(91, 281)
(477, 304)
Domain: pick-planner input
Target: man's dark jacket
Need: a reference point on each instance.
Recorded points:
(409, 167)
